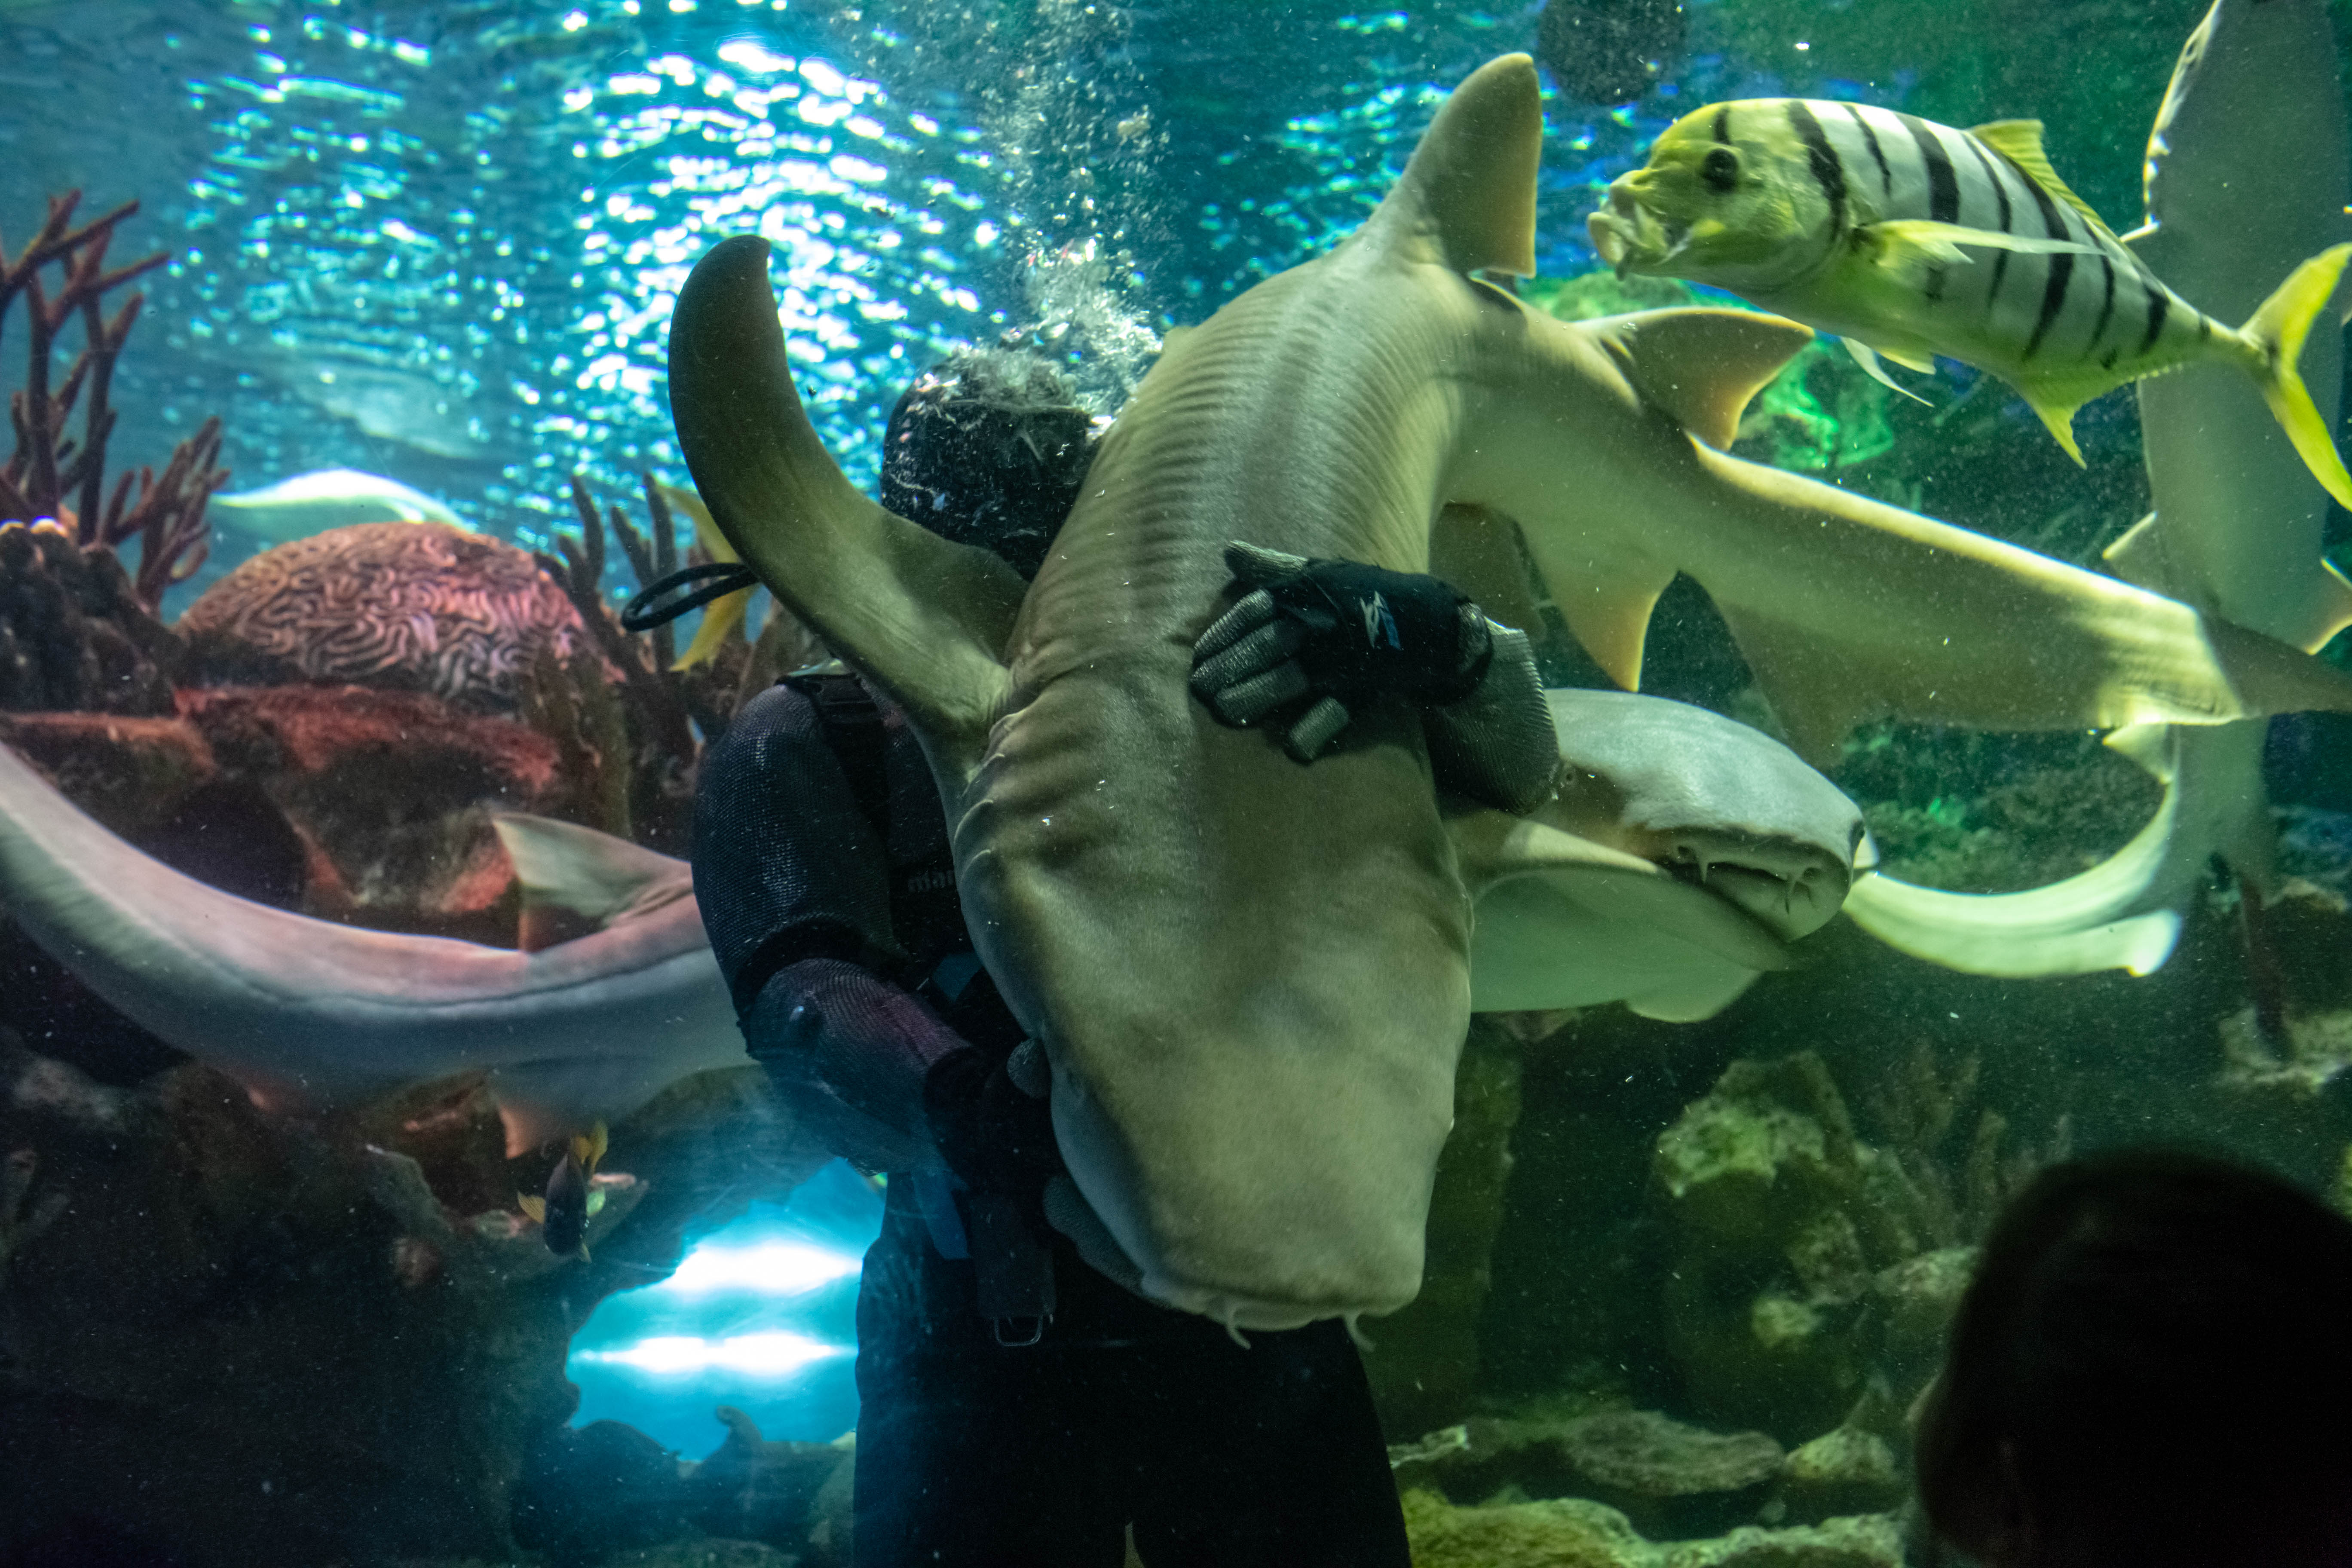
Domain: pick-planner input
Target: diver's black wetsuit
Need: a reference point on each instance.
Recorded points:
(821, 863)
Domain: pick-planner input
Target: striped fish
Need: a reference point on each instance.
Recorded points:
(1914, 239)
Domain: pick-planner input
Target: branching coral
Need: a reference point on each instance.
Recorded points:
(644, 663)
(52, 475)
(1953, 1190)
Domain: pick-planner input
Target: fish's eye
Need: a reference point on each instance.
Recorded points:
(1720, 169)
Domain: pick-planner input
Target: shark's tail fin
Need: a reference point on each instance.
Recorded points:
(2276, 332)
(925, 617)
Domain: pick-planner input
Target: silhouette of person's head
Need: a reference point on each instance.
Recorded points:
(2152, 1368)
(989, 448)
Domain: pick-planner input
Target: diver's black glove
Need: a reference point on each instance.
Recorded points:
(852, 1053)
(1313, 639)
(990, 1120)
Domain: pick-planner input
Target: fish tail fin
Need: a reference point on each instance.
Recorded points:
(2276, 332)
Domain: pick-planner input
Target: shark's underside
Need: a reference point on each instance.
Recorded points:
(1250, 978)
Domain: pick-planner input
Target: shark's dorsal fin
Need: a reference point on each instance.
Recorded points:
(1701, 365)
(575, 879)
(2020, 142)
(1469, 192)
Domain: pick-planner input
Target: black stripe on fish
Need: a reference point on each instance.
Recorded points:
(1829, 171)
(2062, 269)
(1870, 137)
(1723, 126)
(1943, 185)
(2106, 304)
(2160, 302)
(1992, 170)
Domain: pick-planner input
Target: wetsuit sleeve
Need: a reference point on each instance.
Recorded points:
(851, 1051)
(786, 865)
(793, 884)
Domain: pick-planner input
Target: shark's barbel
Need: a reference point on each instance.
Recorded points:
(1253, 980)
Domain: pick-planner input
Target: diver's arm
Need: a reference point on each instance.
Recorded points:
(1496, 745)
(793, 881)
(1310, 640)
(851, 1051)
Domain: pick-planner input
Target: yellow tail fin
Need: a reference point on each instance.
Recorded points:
(2277, 329)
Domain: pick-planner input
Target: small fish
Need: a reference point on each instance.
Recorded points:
(330, 498)
(1914, 239)
(571, 1196)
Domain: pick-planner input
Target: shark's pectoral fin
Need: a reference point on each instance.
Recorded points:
(925, 619)
(1607, 606)
(575, 879)
(1562, 921)
(1701, 365)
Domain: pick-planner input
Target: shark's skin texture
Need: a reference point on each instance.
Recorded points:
(308, 1015)
(2237, 520)
(1252, 979)
(1738, 846)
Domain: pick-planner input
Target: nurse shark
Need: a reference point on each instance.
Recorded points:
(1707, 848)
(2237, 528)
(1251, 979)
(308, 1015)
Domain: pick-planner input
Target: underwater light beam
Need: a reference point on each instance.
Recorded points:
(752, 1355)
(771, 1269)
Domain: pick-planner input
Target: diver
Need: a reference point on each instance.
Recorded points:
(2149, 1370)
(1019, 1408)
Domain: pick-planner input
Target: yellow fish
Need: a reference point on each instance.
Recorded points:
(572, 1197)
(1915, 239)
(721, 617)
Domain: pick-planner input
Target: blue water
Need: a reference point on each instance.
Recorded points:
(440, 242)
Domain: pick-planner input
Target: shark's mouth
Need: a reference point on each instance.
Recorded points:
(1793, 889)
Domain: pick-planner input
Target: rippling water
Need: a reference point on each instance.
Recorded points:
(441, 241)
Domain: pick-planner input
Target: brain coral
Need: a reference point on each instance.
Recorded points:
(408, 606)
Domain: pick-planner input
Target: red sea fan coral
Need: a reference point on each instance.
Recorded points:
(52, 475)
(408, 606)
